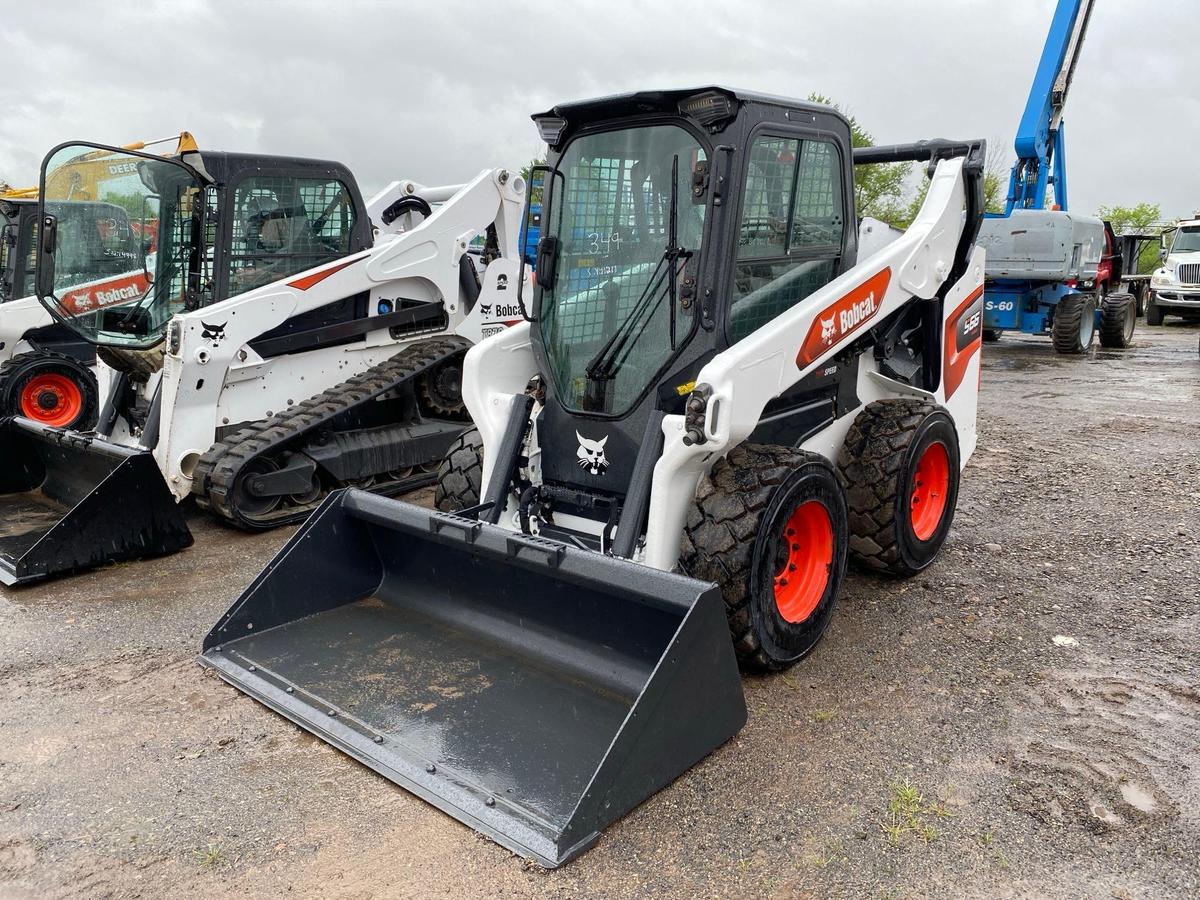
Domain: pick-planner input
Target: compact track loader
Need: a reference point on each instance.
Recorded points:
(261, 344)
(716, 402)
(45, 367)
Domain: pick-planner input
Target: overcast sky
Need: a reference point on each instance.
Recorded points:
(437, 91)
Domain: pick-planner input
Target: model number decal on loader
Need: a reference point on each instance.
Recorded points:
(964, 336)
(843, 317)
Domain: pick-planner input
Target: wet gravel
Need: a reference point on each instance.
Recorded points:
(1022, 720)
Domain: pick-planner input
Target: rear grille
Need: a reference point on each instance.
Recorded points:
(1189, 273)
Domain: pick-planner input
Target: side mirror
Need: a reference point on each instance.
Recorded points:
(47, 240)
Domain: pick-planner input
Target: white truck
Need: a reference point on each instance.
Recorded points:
(1175, 286)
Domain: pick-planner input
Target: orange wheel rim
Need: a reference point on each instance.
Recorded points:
(930, 487)
(51, 399)
(803, 562)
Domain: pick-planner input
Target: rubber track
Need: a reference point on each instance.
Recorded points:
(721, 527)
(217, 471)
(871, 464)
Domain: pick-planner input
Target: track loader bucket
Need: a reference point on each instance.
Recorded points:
(534, 691)
(70, 501)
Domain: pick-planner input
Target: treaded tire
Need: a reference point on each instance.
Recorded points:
(1118, 319)
(991, 335)
(732, 536)
(1154, 312)
(18, 372)
(1070, 314)
(460, 478)
(878, 464)
(139, 365)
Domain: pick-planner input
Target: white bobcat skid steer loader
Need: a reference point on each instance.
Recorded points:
(270, 345)
(45, 367)
(712, 382)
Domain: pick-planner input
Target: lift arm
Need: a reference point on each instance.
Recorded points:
(1041, 153)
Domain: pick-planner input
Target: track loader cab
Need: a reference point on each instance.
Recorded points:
(711, 383)
(197, 228)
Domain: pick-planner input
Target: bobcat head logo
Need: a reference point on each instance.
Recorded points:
(485, 309)
(214, 334)
(502, 282)
(591, 455)
(827, 329)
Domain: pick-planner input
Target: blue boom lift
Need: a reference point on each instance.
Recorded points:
(1049, 270)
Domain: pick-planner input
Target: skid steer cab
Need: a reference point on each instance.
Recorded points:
(717, 402)
(264, 335)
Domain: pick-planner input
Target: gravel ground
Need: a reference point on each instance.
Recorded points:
(1022, 720)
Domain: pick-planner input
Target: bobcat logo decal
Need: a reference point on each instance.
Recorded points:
(828, 329)
(214, 334)
(591, 455)
(485, 309)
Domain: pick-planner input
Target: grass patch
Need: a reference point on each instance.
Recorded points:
(822, 715)
(211, 856)
(909, 814)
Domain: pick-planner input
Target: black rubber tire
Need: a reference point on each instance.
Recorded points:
(1118, 319)
(1154, 312)
(17, 372)
(1069, 315)
(877, 464)
(732, 537)
(460, 478)
(1139, 293)
(991, 335)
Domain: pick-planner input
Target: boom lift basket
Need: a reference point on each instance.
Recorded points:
(71, 501)
(535, 691)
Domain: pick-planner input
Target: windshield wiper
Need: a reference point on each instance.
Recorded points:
(609, 358)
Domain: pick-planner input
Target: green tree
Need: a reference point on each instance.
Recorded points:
(880, 191)
(1131, 218)
(535, 192)
(1143, 218)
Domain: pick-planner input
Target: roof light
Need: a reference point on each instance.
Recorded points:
(551, 129)
(708, 108)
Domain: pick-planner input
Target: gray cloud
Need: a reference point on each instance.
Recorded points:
(437, 91)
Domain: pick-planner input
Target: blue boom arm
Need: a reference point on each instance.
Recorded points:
(1041, 156)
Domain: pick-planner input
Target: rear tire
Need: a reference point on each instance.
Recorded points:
(1154, 312)
(50, 388)
(460, 478)
(900, 466)
(1074, 325)
(1118, 319)
(769, 527)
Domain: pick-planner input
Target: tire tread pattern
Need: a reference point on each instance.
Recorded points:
(720, 532)
(871, 465)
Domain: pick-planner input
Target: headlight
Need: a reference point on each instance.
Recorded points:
(174, 336)
(1160, 277)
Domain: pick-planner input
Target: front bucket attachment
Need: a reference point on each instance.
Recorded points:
(534, 691)
(70, 501)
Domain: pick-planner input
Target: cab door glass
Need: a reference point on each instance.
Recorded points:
(790, 232)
